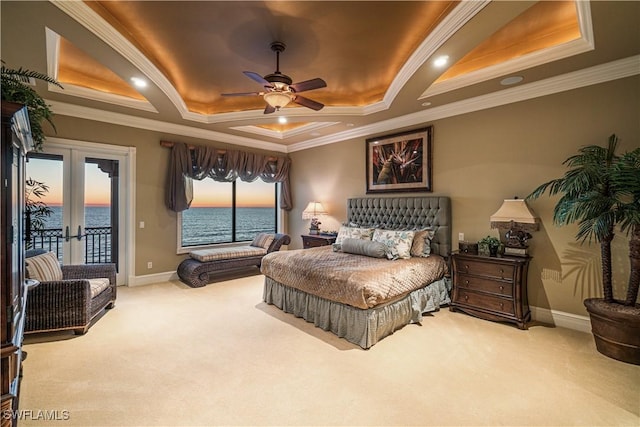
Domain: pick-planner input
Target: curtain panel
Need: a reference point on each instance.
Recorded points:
(221, 165)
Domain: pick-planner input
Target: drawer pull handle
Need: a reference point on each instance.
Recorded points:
(502, 288)
(466, 297)
(501, 305)
(466, 282)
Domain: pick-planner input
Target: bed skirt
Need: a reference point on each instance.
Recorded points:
(362, 327)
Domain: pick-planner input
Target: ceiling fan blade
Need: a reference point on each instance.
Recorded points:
(242, 94)
(258, 78)
(308, 85)
(269, 109)
(309, 103)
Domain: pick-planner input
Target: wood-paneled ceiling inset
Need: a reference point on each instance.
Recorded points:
(194, 44)
(546, 24)
(76, 67)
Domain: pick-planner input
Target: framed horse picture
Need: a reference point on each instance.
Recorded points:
(400, 162)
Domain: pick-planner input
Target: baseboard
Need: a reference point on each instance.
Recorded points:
(149, 279)
(561, 319)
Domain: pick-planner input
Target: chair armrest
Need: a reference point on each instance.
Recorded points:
(56, 292)
(279, 239)
(90, 271)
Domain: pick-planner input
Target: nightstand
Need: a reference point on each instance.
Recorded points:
(492, 288)
(315, 240)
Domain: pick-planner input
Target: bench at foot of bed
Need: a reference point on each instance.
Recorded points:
(195, 270)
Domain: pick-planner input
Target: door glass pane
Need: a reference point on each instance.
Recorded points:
(44, 191)
(209, 219)
(255, 209)
(99, 215)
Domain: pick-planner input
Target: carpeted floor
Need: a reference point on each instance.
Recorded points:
(171, 355)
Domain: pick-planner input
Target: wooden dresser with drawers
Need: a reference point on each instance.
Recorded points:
(492, 288)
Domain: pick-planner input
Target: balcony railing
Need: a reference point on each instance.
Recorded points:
(97, 243)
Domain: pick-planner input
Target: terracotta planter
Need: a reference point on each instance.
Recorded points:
(616, 329)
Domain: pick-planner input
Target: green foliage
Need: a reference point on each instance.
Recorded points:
(600, 191)
(489, 241)
(35, 210)
(16, 88)
(588, 197)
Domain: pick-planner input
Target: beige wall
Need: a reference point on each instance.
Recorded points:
(478, 160)
(481, 158)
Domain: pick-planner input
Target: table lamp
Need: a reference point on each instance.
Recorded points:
(312, 212)
(518, 219)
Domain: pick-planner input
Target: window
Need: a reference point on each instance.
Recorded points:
(227, 212)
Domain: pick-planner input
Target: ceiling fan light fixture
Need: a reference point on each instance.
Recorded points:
(278, 100)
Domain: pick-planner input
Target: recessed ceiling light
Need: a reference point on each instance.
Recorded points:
(507, 81)
(282, 119)
(315, 134)
(441, 61)
(426, 104)
(349, 125)
(138, 82)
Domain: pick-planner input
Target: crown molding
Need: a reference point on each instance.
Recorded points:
(615, 70)
(65, 109)
(619, 69)
(285, 134)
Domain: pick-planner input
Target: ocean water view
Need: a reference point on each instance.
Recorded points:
(202, 225)
(213, 225)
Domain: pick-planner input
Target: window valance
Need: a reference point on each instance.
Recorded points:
(199, 162)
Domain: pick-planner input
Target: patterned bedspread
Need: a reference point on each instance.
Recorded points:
(355, 280)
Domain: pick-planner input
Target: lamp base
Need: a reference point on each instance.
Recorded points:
(314, 231)
(511, 251)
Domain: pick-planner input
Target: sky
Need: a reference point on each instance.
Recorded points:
(207, 193)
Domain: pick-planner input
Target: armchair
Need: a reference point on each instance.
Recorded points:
(72, 299)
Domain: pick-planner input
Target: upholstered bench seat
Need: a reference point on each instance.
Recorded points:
(206, 255)
(195, 271)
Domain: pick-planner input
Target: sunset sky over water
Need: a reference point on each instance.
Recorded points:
(97, 188)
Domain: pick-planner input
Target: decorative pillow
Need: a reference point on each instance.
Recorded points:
(44, 268)
(262, 240)
(398, 242)
(421, 246)
(353, 233)
(364, 247)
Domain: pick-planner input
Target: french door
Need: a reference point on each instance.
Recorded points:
(86, 197)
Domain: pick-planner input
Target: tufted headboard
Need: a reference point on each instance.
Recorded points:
(405, 212)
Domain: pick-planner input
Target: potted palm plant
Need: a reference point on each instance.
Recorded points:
(16, 88)
(601, 192)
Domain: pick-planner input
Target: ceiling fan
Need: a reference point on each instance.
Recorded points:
(279, 89)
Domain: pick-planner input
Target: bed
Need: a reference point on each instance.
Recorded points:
(366, 298)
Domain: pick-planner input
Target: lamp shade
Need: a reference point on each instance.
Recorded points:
(277, 99)
(313, 210)
(517, 211)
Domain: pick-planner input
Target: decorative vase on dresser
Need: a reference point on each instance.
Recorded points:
(492, 288)
(16, 141)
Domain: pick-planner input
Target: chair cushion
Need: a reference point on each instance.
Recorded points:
(206, 255)
(44, 268)
(98, 285)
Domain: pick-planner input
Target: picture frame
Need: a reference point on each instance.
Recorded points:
(400, 162)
